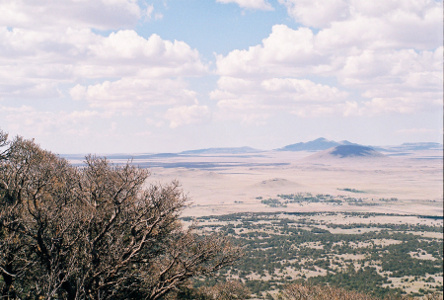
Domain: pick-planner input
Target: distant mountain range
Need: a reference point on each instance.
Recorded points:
(315, 145)
(319, 144)
(347, 151)
(235, 150)
(418, 146)
(324, 144)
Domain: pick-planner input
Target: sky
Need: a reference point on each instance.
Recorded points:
(134, 76)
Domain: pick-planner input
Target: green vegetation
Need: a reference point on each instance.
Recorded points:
(300, 198)
(358, 254)
(352, 190)
(98, 232)
(273, 203)
(298, 291)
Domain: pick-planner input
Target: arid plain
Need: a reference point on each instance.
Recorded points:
(239, 183)
(228, 183)
(386, 199)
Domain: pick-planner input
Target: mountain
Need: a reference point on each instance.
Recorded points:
(315, 145)
(347, 151)
(419, 146)
(235, 150)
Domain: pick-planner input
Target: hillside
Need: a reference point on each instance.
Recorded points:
(347, 151)
(315, 145)
(418, 146)
(228, 150)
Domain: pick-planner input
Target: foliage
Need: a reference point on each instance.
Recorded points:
(307, 292)
(352, 190)
(229, 290)
(281, 248)
(298, 291)
(301, 198)
(94, 232)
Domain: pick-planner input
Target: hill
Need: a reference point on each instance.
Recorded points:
(347, 151)
(418, 146)
(315, 145)
(235, 150)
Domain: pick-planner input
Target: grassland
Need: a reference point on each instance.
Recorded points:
(373, 253)
(371, 225)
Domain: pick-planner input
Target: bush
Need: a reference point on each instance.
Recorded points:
(94, 232)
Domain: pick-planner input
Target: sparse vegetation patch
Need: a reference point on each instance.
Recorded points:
(283, 200)
(376, 258)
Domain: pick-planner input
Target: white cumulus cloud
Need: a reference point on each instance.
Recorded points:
(285, 52)
(398, 15)
(317, 13)
(375, 56)
(250, 4)
(126, 68)
(99, 14)
(134, 95)
(186, 115)
(274, 95)
(61, 55)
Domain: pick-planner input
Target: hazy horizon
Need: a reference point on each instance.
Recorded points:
(134, 76)
(247, 147)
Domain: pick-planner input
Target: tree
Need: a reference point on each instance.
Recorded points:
(94, 232)
(298, 291)
(229, 290)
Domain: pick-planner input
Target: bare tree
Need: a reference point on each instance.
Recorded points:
(298, 291)
(3, 144)
(230, 290)
(94, 232)
(226, 290)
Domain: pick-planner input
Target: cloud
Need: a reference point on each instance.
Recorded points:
(152, 57)
(127, 69)
(135, 95)
(343, 58)
(250, 4)
(185, 115)
(317, 13)
(31, 122)
(380, 57)
(420, 134)
(291, 52)
(269, 77)
(415, 131)
(285, 52)
(118, 74)
(397, 17)
(390, 30)
(401, 81)
(301, 90)
(28, 88)
(99, 14)
(250, 97)
(81, 53)
(150, 15)
(417, 69)
(391, 104)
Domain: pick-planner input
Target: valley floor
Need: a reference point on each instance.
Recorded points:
(368, 224)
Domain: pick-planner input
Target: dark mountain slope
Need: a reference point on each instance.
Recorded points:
(315, 145)
(347, 151)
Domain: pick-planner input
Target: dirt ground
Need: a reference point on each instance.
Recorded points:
(233, 183)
